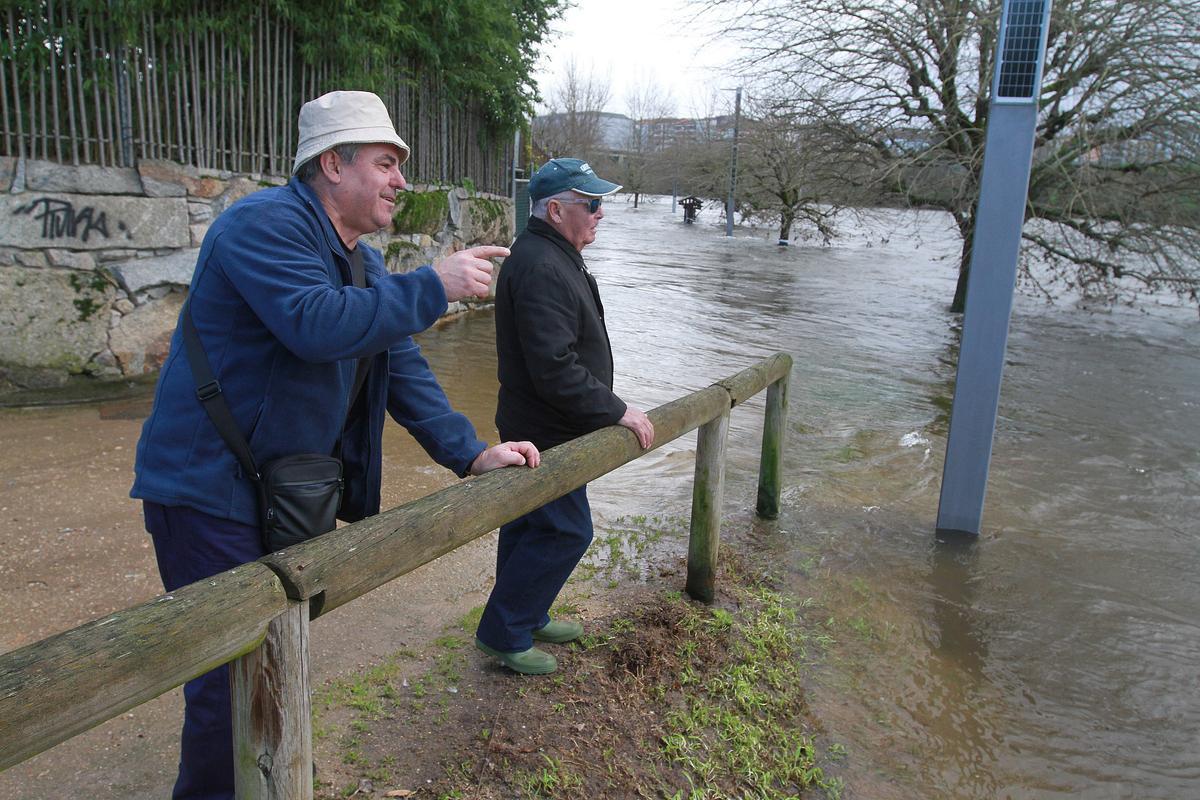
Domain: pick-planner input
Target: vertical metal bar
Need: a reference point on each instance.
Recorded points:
(196, 132)
(255, 98)
(708, 491)
(770, 465)
(124, 101)
(22, 149)
(289, 104)
(1003, 192)
(729, 207)
(277, 102)
(195, 126)
(180, 99)
(208, 91)
(8, 135)
(54, 80)
(36, 125)
(12, 27)
(140, 80)
(116, 120)
(99, 115)
(272, 713)
(273, 72)
(84, 128)
(154, 133)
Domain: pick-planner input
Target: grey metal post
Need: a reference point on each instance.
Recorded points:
(1008, 152)
(737, 116)
(516, 162)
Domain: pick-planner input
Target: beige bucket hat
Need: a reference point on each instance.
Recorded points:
(344, 118)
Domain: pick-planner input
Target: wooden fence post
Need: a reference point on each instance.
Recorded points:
(707, 492)
(272, 713)
(771, 463)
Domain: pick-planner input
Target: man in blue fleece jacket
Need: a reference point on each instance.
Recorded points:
(283, 327)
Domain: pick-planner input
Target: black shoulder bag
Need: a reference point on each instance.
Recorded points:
(299, 495)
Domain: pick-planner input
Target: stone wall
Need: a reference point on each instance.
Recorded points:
(95, 261)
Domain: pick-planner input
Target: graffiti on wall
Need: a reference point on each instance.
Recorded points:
(61, 220)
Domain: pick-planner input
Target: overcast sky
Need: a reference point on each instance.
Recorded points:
(631, 41)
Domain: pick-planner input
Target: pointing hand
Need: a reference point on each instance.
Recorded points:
(468, 273)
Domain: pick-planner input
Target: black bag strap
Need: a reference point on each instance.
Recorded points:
(358, 276)
(208, 388)
(208, 392)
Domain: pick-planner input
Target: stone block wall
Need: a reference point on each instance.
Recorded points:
(95, 261)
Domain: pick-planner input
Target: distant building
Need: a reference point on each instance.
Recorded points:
(614, 133)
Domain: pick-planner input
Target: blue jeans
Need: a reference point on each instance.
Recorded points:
(536, 555)
(190, 546)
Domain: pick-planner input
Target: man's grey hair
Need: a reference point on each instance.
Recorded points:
(540, 207)
(312, 168)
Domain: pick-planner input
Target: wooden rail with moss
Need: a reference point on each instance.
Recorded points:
(258, 614)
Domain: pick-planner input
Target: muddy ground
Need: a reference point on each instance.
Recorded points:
(72, 548)
(403, 702)
(662, 698)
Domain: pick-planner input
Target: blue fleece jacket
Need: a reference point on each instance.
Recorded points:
(283, 328)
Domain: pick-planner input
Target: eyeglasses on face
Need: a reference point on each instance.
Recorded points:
(593, 204)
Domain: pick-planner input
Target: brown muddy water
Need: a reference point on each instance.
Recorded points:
(1055, 657)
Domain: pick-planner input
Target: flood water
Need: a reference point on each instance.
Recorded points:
(1058, 655)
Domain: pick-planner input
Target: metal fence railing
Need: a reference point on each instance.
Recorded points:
(74, 89)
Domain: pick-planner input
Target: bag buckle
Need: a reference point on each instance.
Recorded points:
(208, 391)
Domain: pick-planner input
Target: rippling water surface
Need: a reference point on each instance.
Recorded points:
(1059, 656)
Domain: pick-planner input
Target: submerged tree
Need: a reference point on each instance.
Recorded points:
(1115, 184)
(790, 170)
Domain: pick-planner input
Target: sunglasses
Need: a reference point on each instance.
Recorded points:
(592, 204)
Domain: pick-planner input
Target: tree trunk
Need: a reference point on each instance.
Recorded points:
(966, 226)
(785, 227)
(636, 196)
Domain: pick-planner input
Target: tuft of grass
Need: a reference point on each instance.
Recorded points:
(469, 622)
(742, 724)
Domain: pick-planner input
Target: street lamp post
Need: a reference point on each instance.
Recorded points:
(737, 116)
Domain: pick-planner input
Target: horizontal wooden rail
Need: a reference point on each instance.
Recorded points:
(61, 686)
(334, 569)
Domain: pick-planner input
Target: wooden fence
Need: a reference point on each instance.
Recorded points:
(74, 90)
(259, 613)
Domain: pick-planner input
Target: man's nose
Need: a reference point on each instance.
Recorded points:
(397, 181)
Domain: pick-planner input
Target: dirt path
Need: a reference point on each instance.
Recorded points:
(72, 548)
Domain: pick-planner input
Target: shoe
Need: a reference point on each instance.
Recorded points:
(526, 662)
(559, 631)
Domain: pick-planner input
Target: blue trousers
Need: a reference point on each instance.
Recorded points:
(536, 555)
(190, 546)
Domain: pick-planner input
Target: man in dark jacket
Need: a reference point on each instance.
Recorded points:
(556, 379)
(284, 321)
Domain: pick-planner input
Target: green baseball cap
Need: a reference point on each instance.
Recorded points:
(561, 174)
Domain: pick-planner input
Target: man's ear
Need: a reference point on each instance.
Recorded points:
(331, 166)
(554, 211)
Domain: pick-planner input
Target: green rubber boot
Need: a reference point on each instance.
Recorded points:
(559, 632)
(526, 662)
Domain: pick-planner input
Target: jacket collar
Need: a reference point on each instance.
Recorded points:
(307, 194)
(539, 227)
